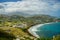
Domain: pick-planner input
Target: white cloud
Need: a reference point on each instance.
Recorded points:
(31, 7)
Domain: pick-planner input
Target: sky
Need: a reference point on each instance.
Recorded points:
(49, 7)
(9, 0)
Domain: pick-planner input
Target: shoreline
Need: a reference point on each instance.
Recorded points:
(34, 28)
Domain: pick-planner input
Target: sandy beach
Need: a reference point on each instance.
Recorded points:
(34, 28)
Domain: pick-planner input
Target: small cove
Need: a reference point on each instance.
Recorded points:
(45, 30)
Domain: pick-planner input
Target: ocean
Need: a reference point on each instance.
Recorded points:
(48, 30)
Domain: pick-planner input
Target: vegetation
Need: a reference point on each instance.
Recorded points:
(11, 26)
(6, 36)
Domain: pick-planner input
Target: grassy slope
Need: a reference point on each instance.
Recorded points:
(17, 32)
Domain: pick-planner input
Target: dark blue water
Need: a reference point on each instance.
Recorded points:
(49, 30)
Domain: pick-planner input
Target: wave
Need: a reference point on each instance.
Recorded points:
(34, 28)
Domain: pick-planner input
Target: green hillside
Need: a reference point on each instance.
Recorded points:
(18, 26)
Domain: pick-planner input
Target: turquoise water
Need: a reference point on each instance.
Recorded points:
(48, 30)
